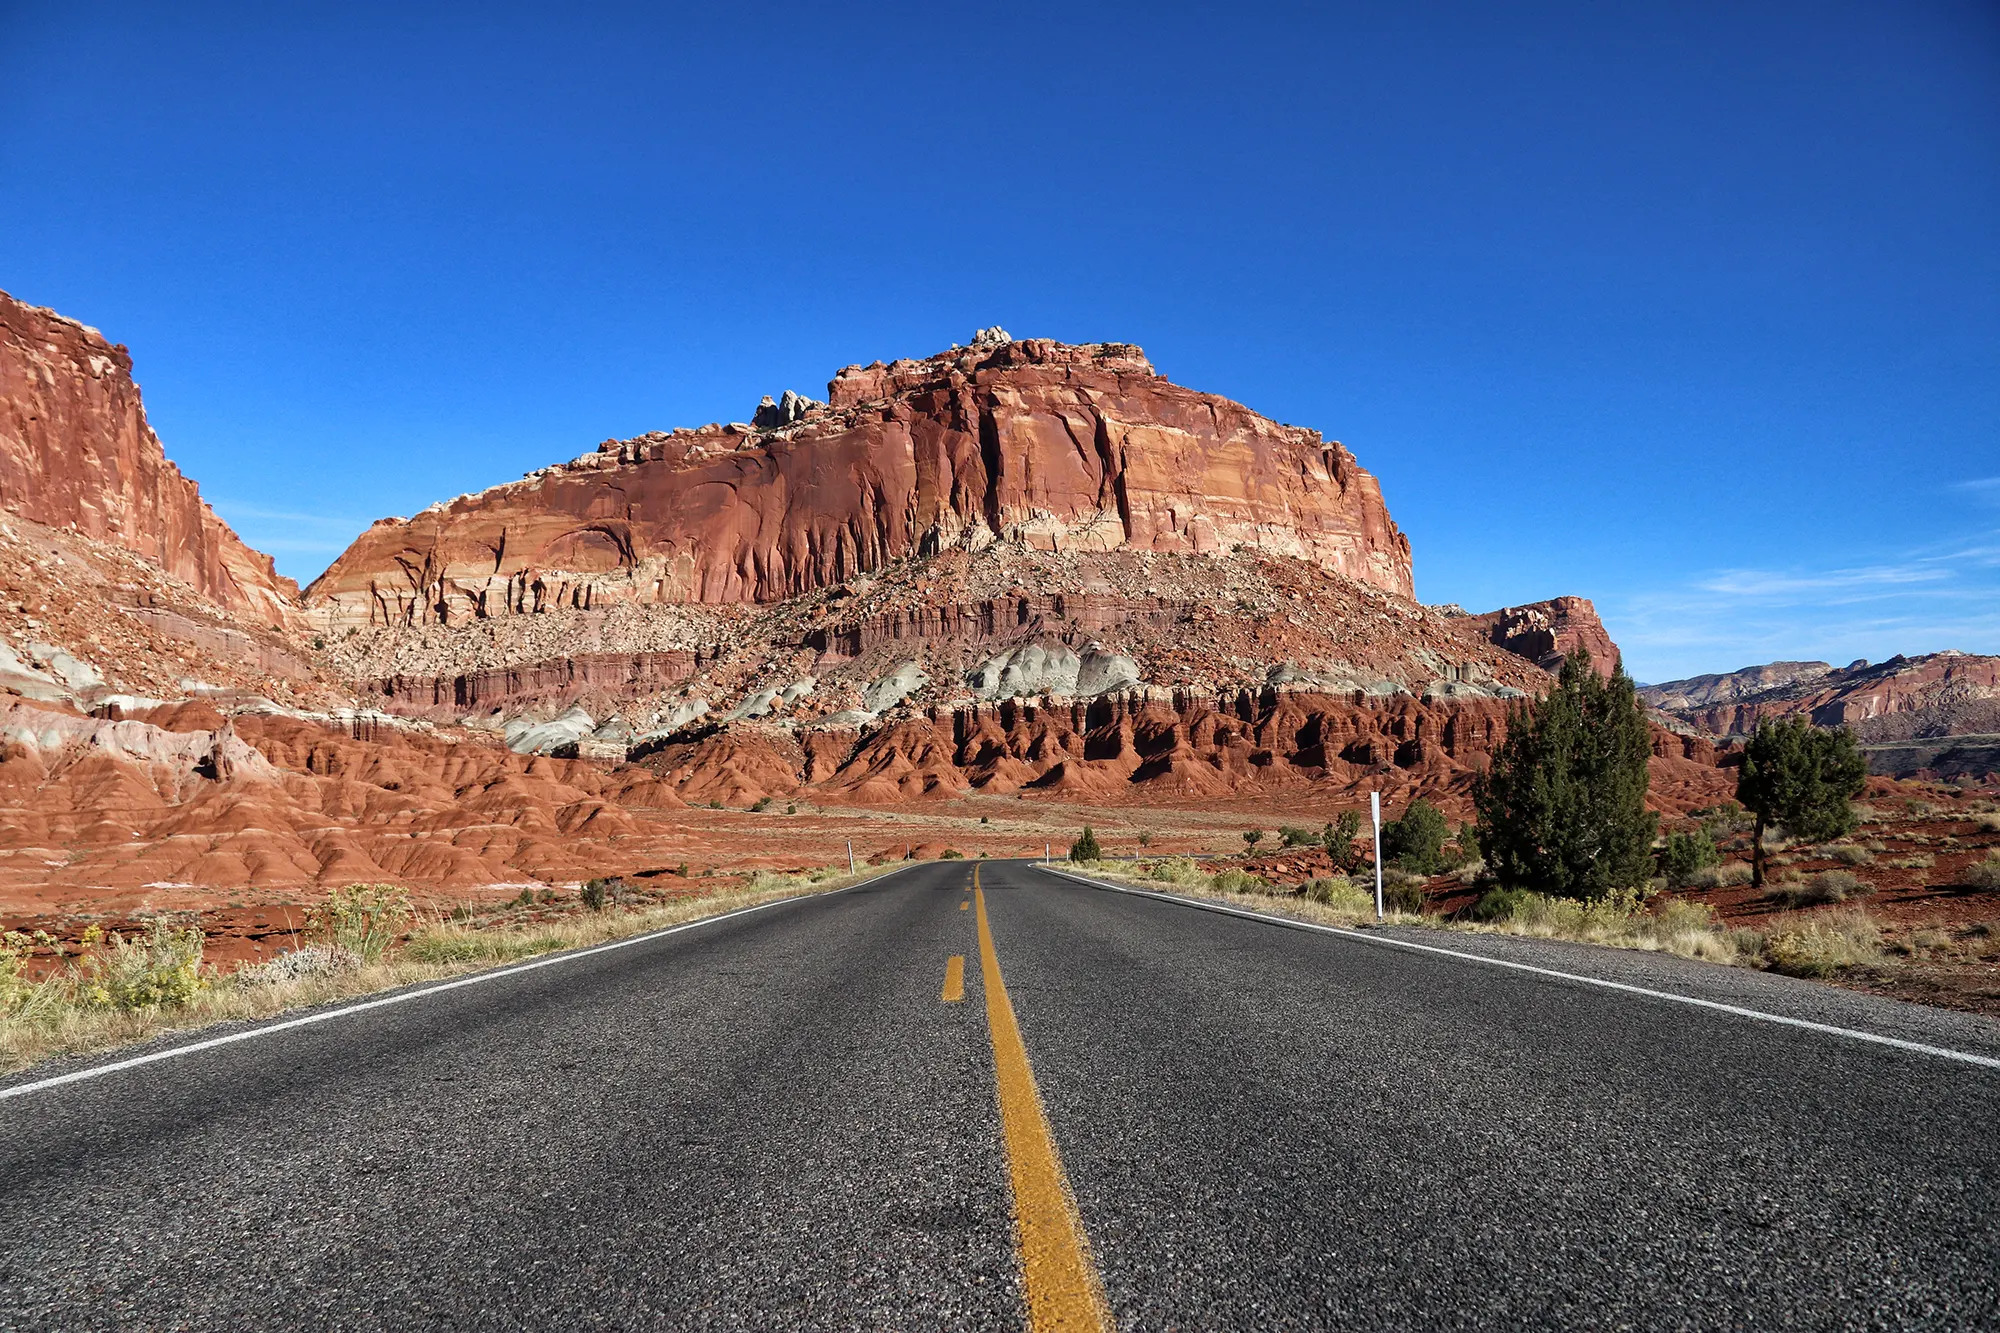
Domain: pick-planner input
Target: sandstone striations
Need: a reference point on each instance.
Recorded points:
(1547, 632)
(1046, 446)
(77, 454)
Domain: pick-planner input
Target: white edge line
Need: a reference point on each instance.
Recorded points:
(1366, 937)
(403, 997)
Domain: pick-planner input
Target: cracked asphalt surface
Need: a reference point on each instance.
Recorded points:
(774, 1122)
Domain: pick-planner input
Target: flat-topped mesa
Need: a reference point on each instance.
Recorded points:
(1050, 446)
(76, 452)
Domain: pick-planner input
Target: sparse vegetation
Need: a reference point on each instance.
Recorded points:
(365, 919)
(1984, 874)
(1850, 855)
(1823, 944)
(1725, 876)
(1832, 886)
(596, 893)
(112, 990)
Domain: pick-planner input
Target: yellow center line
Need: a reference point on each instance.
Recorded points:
(954, 978)
(1061, 1283)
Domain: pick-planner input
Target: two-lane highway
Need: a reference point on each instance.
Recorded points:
(795, 1118)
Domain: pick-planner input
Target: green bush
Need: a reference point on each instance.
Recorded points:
(1416, 841)
(1339, 837)
(1498, 905)
(1290, 835)
(596, 893)
(1176, 870)
(1085, 848)
(1403, 895)
(1251, 837)
(1801, 777)
(953, 854)
(1686, 855)
(1235, 881)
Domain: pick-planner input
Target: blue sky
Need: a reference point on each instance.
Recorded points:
(1691, 309)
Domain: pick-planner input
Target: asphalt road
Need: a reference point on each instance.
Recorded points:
(777, 1122)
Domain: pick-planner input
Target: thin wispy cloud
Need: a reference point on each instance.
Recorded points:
(1771, 583)
(232, 510)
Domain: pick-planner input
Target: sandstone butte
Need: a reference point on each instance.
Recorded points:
(77, 453)
(1057, 448)
(176, 722)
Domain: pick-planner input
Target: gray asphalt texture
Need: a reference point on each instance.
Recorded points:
(773, 1122)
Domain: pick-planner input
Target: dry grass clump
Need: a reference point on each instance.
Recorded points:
(1986, 822)
(115, 991)
(1830, 886)
(1984, 874)
(1823, 944)
(1627, 920)
(1848, 854)
(1727, 875)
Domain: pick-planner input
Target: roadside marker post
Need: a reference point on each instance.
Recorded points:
(1048, 853)
(850, 856)
(1375, 813)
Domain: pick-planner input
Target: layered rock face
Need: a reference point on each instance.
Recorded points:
(76, 454)
(1051, 447)
(1729, 686)
(1547, 632)
(1904, 698)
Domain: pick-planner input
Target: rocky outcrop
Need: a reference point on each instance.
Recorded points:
(1904, 698)
(1546, 632)
(1730, 686)
(76, 453)
(1051, 447)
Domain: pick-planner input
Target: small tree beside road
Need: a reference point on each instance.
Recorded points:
(1085, 848)
(1563, 807)
(1801, 777)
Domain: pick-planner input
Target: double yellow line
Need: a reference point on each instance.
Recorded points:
(1060, 1282)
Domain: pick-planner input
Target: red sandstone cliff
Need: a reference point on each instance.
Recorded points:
(76, 453)
(1054, 447)
(1937, 695)
(1547, 632)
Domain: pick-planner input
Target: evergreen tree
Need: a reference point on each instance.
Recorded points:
(1416, 841)
(1802, 777)
(1563, 809)
(1085, 848)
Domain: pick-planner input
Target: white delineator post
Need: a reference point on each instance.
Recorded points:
(850, 856)
(1375, 813)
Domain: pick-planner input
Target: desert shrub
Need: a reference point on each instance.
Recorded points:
(1501, 904)
(450, 944)
(1405, 895)
(1290, 835)
(17, 991)
(1686, 854)
(1340, 893)
(1850, 855)
(1724, 876)
(1085, 848)
(1986, 823)
(1145, 836)
(313, 960)
(596, 893)
(1984, 874)
(160, 969)
(1176, 870)
(1235, 881)
(1251, 837)
(1831, 886)
(1470, 872)
(953, 854)
(365, 919)
(1915, 861)
(760, 805)
(1416, 841)
(1824, 944)
(1562, 807)
(1339, 836)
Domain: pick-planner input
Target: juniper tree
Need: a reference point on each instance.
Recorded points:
(1085, 848)
(1802, 777)
(1562, 808)
(1339, 837)
(1416, 841)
